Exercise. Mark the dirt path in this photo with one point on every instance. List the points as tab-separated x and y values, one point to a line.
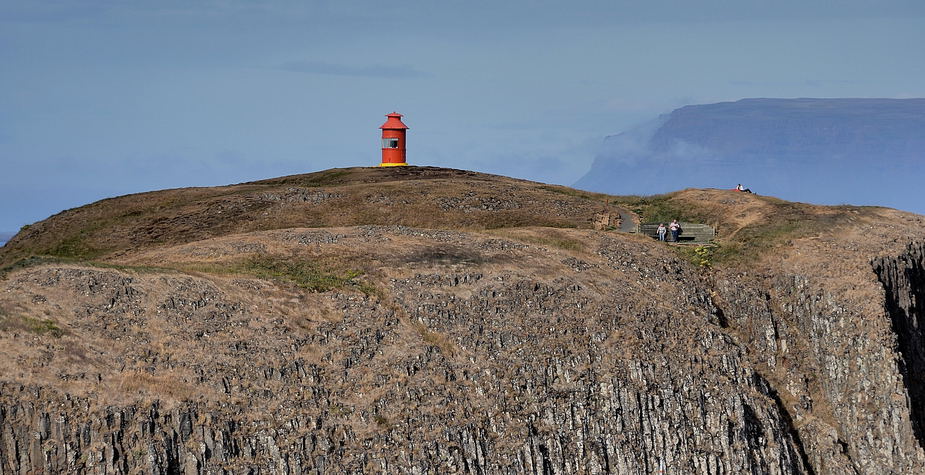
627	221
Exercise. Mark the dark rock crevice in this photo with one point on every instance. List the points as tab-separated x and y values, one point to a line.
787	420
903	279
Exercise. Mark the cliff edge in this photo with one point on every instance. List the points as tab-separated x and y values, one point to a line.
443	321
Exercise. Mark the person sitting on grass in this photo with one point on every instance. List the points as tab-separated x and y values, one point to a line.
739	187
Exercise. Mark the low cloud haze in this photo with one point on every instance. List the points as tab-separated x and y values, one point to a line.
826	151
99	98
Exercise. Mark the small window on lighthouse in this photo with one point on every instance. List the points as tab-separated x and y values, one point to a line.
389	143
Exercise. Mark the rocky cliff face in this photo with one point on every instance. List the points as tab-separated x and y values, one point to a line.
903	277
472	363
872	148
377	348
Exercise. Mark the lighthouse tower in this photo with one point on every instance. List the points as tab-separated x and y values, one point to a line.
393	141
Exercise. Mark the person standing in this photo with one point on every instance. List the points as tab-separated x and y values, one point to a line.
675	229
662	230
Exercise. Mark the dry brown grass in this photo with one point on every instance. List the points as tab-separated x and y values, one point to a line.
414	196
164	385
447	346
546	237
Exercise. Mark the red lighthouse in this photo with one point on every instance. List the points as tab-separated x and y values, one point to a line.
393	141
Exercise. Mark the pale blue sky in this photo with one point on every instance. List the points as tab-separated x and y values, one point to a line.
102	98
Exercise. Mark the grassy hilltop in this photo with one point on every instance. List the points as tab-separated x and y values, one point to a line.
425	197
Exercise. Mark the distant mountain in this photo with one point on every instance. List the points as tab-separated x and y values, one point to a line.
4	237
830	151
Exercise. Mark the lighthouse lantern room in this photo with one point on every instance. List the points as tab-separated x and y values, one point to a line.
393	141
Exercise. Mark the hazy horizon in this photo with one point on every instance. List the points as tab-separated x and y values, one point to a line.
103	98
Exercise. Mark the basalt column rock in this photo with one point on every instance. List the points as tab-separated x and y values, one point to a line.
850	376
903	279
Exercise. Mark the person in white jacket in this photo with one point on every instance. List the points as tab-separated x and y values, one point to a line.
675	229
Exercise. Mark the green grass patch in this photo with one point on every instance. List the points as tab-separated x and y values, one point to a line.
700	256
661	209
752	241
27	262
74	247
43	327
33	325
781	222
326	178
323	178
77	243
747	244
308	275
789	221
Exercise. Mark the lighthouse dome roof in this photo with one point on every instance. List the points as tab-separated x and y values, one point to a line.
393	122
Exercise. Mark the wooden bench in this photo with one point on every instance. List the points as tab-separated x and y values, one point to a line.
693	233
